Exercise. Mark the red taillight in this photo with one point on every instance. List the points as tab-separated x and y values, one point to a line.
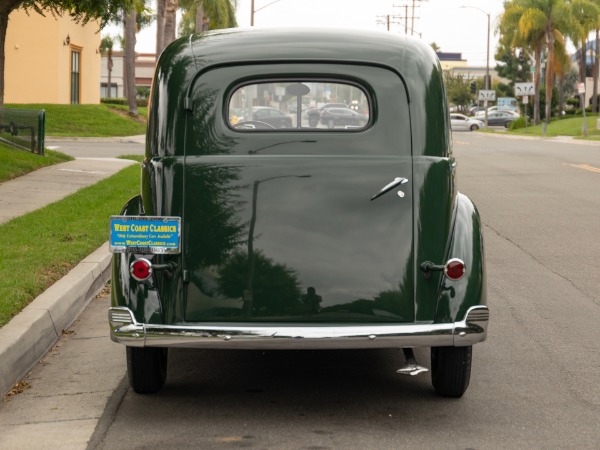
140	269
454	269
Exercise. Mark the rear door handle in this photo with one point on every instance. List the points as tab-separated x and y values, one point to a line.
388	187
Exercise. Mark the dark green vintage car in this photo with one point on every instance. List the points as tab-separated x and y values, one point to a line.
251	236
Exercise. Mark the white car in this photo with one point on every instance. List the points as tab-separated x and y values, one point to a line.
460	122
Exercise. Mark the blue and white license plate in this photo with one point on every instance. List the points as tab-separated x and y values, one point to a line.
153	235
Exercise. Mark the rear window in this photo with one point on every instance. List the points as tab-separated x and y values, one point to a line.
298	105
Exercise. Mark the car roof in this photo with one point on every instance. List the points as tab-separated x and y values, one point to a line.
413	59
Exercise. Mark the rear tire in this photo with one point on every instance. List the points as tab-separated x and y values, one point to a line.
147	368
451	370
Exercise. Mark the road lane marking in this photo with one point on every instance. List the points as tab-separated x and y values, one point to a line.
586	167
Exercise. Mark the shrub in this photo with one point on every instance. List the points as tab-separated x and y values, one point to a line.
123	101
519	123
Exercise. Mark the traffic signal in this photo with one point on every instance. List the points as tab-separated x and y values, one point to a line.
473	87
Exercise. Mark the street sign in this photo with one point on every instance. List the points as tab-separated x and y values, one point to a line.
524	89
581	88
487	95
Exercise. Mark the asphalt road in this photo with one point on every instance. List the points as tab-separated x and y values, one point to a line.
534	382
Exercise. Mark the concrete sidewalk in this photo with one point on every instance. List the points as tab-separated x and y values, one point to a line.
30	334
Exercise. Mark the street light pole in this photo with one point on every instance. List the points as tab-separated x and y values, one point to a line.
487	85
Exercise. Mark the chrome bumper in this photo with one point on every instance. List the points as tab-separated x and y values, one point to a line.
259	336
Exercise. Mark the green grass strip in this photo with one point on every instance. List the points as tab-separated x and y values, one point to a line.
89	120
39	248
563	127
17	162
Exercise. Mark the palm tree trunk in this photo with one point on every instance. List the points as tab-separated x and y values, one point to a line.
170	21
538	68
129	61
109	67
160	26
201	24
549	78
595	90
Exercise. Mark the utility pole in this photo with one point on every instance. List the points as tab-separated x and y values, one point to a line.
412	4
387	20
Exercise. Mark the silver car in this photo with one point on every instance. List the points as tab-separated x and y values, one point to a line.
460	122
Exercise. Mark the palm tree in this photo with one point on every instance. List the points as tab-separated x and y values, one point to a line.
596	59
509	30
134	19
539	26
203	15
585	14
160	26
129	60
170	32
106	47
548	17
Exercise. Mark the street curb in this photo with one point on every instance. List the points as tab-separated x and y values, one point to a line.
32	332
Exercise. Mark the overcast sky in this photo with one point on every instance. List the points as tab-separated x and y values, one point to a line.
452	28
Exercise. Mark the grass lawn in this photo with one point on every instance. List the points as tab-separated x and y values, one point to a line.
563	127
39	248
17	162
89	120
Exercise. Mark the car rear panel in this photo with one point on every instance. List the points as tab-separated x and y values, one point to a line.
298	239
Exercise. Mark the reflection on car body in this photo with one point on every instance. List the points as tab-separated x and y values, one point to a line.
333	117
302	237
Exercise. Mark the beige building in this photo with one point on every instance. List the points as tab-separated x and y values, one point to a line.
145	63
51	60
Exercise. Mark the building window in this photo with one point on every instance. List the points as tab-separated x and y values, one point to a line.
75	76
114	91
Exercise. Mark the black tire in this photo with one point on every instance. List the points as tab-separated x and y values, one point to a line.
507	124
313	121
451	370
474	127
147	369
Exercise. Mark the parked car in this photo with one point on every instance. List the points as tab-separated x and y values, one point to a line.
314	114
460	122
310	238
494	109
271	116
473	110
501	118
333	117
